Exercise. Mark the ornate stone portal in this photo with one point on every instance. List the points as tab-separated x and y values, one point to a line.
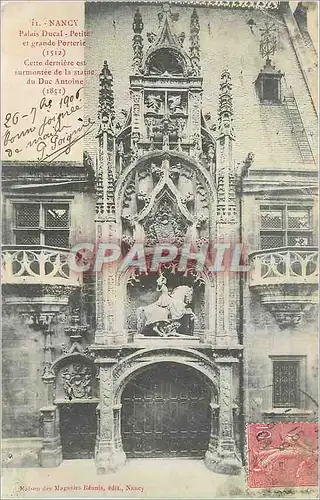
165	177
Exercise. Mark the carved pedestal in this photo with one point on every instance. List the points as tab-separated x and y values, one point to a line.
222	455
108	452
51	453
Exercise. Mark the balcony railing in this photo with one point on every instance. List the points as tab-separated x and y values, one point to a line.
287	265
37	265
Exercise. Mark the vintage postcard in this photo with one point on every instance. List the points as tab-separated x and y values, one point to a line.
159	249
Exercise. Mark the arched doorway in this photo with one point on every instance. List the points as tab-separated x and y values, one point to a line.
166	412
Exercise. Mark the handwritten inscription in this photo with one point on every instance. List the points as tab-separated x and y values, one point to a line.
50	127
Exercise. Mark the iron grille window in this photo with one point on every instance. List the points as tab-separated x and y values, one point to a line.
42	224
286	383
283	226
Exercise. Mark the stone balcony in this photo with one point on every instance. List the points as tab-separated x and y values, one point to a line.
286	280
34	265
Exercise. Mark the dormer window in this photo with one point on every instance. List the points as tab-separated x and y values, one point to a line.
268	83
270	89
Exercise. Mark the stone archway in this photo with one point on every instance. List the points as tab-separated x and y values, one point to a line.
116	375
166	412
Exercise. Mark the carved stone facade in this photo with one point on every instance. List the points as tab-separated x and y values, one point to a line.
166	172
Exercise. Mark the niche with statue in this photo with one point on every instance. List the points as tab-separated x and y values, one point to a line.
164	305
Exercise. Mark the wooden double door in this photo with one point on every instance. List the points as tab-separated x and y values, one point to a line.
166	413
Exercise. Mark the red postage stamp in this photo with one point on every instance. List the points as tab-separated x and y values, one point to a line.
282	454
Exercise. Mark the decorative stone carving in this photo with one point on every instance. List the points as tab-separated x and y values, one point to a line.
154	103
150	123
39	321
151	36
225	175
181	38
195	102
107	458
225	113
286	282
244	168
175	104
37	265
76	330
106	387
77	381
161	227
190	356
245	4
203	195
194	43
110	206
48	374
169	316
222	455
64	349
135	148
106	111
137	42
128	194
99	192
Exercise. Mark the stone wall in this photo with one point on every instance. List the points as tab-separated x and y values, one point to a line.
23	389
263	339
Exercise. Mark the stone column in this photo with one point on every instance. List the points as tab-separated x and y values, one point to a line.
107	307
226	459
106	456
227	219
51	453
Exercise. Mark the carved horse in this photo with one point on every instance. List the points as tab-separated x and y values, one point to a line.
167	314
